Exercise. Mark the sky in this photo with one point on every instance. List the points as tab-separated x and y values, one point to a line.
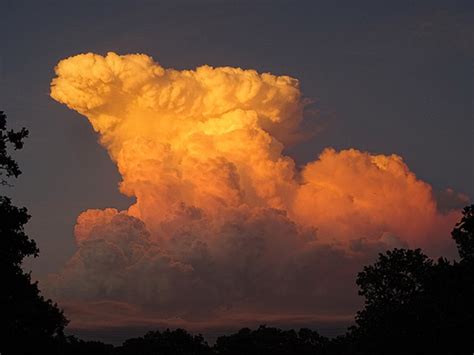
386	78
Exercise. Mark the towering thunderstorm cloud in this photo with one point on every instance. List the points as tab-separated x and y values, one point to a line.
225	226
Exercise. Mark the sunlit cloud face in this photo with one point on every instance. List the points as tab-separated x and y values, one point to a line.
224	223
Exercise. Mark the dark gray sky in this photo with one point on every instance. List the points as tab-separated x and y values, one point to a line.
385	76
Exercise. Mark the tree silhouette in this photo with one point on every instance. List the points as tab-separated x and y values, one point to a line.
414	305
457	285
463	234
74	346
8	166
394	279
28	322
176	342
271	341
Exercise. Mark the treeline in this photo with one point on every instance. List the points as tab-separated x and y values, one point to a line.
413	305
264	340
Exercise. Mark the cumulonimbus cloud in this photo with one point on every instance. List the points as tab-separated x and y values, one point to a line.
224	223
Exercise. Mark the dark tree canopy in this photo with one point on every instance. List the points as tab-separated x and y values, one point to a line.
463	234
15	244
414	305
8	166
395	278
176	342
272	341
73	346
29	323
